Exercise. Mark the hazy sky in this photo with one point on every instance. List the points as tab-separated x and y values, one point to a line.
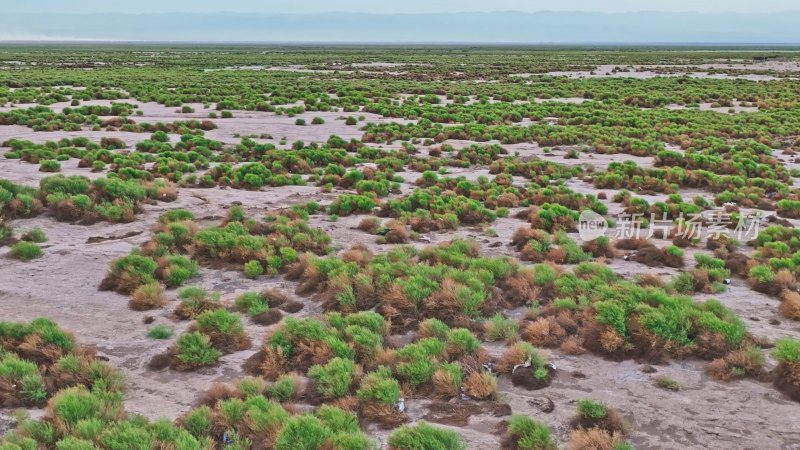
382	6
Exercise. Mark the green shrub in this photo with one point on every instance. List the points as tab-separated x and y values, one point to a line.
253	269
75	404
462	341
675	251
666	382
591	409
334	378
380	387
232	410
176	215
73	443
250	386
25	251
543	274
195	349
787	350
302	433
530	434
49	165
35	235
221	321
435	327
139	268
160	331
347	298
337	420
126	435
251	303
498	327
683	283
265	416
425	436
283	389
89	428
416	364
762	274
194	299
179	270
565	303
198	421
32	386
289	255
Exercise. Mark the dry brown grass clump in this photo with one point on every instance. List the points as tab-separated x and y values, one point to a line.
555	254
273	363
747	362
653	256
611	422
597	250
429	328
523	235
515	355
508	200
650	279
601	339
671	259
147	296
790	306
167	193
397	233
348	403
783	280
217	392
369	225
631	243
443	305
701	282
544	332
737	264
594	439
573	345
386	416
296	270
160	361
314	281
279	299
227	343
649	255
787	379
519	289
480	386
721	242
358	254
268	317
444	384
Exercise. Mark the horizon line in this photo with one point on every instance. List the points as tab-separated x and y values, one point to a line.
510	11
404	43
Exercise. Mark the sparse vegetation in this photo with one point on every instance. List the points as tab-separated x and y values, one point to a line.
160	331
396	304
25	251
